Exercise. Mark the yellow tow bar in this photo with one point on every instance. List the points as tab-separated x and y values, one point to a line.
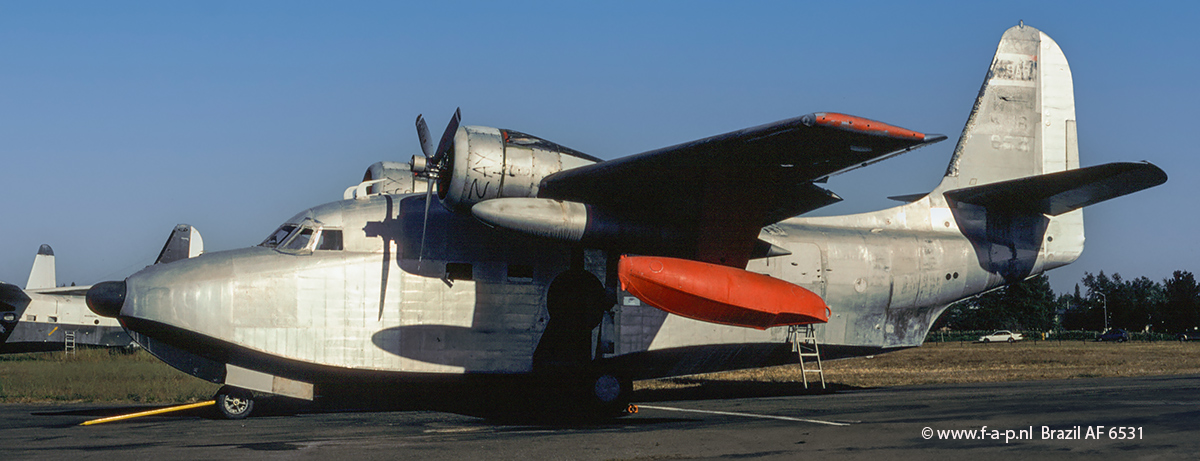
148	413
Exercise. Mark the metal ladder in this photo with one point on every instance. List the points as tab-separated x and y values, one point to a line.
806	346
69	341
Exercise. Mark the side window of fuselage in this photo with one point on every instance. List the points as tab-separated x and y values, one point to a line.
331	239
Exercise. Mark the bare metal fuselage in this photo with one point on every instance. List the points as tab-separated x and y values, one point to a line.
475	301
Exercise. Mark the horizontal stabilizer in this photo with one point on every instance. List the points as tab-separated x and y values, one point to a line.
908	198
1057	193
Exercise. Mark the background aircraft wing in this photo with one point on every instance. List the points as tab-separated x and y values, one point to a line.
718	192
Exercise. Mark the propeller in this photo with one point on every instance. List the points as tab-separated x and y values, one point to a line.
431	165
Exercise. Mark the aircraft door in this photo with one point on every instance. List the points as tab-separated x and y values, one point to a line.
576	302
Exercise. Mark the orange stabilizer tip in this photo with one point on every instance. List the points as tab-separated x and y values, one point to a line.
719	294
850	122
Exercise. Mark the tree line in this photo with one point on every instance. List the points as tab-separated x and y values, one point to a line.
1099	302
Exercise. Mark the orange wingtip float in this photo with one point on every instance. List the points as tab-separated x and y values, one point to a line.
719	294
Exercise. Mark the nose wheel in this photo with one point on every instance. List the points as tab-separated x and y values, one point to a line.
234	403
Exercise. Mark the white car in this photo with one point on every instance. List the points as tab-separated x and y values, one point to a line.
1002	335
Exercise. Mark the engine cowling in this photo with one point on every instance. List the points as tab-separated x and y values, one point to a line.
396	178
487	163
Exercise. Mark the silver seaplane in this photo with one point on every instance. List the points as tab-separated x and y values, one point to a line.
540	264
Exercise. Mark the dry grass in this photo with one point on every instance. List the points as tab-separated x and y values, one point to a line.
98	376
95	375
969	362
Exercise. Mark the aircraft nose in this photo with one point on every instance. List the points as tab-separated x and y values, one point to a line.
106	298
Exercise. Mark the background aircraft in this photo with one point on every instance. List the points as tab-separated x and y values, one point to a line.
43	317
518	271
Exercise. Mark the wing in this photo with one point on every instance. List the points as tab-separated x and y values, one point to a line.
713	195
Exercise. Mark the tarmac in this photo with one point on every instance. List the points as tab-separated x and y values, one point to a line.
1129	418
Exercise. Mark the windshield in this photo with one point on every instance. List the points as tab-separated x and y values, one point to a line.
300	241
278	236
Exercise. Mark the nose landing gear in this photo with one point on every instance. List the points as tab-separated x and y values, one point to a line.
234	403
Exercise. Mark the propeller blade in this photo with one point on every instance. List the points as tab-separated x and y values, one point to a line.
447	138
423	135
425	223
433	166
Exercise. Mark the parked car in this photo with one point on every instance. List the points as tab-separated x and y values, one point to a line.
1115	334
1190	335
1001	335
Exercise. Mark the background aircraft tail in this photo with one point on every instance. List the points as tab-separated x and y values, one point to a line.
185	242
42	275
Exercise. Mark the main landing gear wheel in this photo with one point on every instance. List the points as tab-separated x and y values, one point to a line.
234	403
610	394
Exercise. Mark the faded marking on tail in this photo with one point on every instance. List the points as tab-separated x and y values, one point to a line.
1023	121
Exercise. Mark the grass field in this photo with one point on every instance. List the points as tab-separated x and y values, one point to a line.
964	362
95	375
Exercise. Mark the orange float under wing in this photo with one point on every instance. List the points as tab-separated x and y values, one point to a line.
719	294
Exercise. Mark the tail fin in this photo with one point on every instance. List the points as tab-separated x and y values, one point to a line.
42	275
1023	122
1014	182
185	242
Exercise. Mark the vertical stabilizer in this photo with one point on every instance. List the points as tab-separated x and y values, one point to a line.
185	242
42	275
1022	125
1023	121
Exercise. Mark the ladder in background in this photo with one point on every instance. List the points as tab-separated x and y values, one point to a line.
806	346
69	341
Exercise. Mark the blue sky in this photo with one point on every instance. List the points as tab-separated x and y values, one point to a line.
119	120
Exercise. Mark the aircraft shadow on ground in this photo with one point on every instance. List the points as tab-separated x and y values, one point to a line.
710	389
497	404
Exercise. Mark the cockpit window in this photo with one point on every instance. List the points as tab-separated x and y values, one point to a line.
331	239
278	236
300	241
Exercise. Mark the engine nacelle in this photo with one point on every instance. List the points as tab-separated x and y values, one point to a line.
396	178
488	163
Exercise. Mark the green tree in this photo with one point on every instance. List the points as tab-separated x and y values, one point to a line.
1181	305
1131	305
1026	305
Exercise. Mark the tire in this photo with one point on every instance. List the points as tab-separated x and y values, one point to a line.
985	340
234	403
1010	340
609	394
